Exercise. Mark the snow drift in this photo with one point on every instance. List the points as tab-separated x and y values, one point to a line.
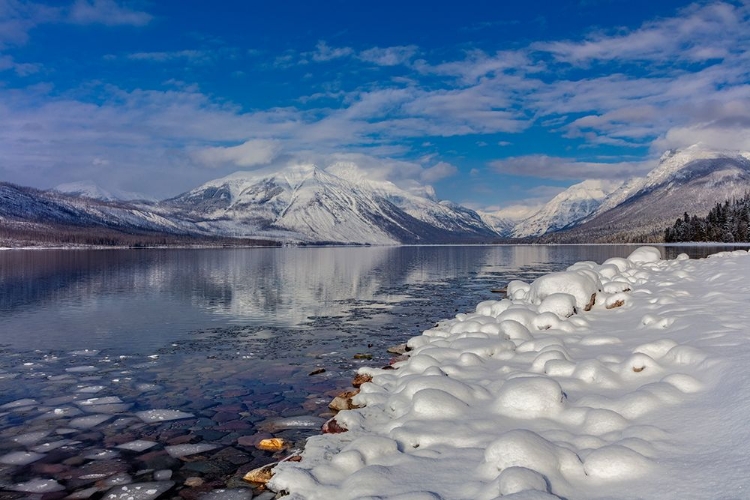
532	396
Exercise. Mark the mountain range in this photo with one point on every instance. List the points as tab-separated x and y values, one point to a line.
304	204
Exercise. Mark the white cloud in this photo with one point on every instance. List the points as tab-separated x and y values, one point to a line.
107	12
192	55
553	167
389	56
18	17
248	154
323	52
437	172
698	33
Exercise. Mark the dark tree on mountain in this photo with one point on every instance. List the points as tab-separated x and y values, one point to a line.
728	222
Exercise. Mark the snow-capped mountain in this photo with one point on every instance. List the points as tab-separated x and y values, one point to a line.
692	180
340	204
566	209
91	190
22	204
504	220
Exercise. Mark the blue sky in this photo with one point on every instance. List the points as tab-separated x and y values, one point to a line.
492	103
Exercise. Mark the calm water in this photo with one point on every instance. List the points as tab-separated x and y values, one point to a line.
228	337
134	301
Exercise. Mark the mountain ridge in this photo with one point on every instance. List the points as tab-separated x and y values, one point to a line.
342	203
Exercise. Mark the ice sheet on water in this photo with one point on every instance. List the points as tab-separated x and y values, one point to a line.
47	447
88	421
147	387
183	450
30	437
81	369
85	352
116	480
301	422
230	494
60	400
137	445
20	457
139	491
83	494
111	408
101	455
91	389
19	403
151	416
64	412
99	401
38	486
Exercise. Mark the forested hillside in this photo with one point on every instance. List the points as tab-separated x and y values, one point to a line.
726	222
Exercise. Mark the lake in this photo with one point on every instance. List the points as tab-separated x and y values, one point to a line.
221	341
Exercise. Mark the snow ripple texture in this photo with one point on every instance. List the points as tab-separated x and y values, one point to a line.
642	396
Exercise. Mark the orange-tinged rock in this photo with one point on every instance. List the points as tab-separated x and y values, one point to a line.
261	475
272	444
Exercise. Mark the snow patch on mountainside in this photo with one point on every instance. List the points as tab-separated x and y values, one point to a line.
91	190
672	165
567	208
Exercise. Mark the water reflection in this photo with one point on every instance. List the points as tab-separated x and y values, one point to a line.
144	299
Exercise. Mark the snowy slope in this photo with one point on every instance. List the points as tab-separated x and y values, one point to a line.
676	167
338	204
503	221
567	208
20	204
533	397
692	180
89	189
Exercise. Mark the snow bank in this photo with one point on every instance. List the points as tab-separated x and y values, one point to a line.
602	381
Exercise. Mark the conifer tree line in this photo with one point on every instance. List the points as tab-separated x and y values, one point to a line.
726	223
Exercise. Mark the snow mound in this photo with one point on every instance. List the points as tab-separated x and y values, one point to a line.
597	382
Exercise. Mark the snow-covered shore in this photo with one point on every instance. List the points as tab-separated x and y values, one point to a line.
645	395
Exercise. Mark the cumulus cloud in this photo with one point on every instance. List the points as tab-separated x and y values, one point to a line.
248	154
554	167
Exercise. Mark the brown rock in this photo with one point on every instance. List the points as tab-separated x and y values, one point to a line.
261	475
398	349
317	371
591	303
617	303
344	401
333	427
272	444
360	379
